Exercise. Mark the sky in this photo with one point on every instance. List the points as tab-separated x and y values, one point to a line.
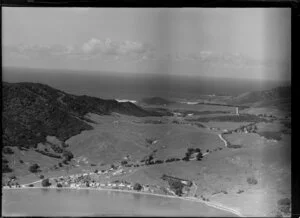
215	42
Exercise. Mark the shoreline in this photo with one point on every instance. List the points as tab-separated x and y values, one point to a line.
210	204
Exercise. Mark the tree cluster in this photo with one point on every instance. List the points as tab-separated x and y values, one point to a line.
46	183
35	168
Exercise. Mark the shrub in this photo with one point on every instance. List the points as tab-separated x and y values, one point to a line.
234	146
59	185
65	162
124	162
93	165
96	171
7	150
46	183
21	161
137	187
34	168
42	177
171	159
6	168
31	185
60	164
252	181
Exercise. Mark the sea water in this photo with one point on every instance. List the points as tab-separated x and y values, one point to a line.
68	202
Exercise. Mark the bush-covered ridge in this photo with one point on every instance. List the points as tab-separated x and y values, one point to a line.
31	111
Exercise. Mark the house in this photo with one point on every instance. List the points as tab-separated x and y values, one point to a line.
121	185
114	185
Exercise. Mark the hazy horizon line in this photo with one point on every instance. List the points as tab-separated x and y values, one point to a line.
129	73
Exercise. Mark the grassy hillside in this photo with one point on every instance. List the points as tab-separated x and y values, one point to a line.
272	97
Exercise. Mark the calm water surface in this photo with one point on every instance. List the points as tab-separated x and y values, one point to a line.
52	202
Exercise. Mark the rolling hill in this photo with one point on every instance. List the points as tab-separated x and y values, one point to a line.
277	97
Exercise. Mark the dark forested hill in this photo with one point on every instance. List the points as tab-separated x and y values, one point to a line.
31	111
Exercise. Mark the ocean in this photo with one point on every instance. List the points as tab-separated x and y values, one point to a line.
68	202
128	86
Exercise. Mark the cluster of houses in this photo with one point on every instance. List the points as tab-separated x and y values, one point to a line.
251	128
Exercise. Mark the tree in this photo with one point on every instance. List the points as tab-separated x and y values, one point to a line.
59	185
34	168
188	154
186	158
191	150
176	186
68	155
46	183
197	150
96	171
42	177
137	187
199	156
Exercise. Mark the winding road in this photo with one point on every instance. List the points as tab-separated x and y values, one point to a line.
221	137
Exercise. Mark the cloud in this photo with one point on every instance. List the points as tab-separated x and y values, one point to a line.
109	50
96	46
